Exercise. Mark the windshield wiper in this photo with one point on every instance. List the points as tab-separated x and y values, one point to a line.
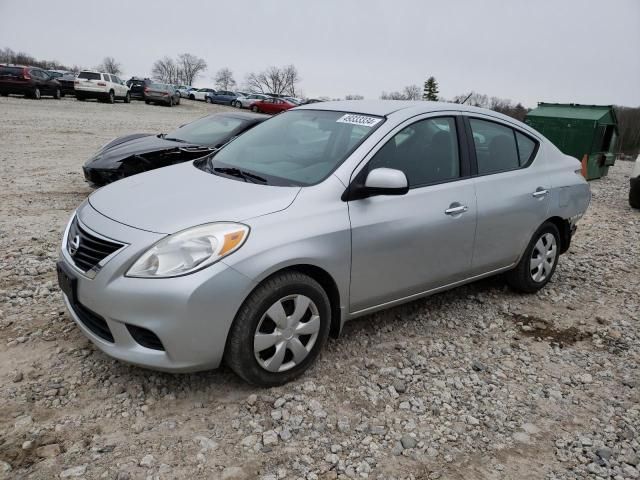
172	139
236	172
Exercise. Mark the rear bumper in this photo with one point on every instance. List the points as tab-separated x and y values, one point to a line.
16	89
90	93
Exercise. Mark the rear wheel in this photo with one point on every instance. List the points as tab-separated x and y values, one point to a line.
80	98
147	102
255	109
36	93
178	100
3	94
170	104
537	265
279	331
57	95
112	97
237	104
192	97
207	99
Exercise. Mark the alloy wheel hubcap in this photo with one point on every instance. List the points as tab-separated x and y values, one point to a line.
286	333
543	257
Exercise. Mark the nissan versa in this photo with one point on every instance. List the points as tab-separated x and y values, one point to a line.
255	254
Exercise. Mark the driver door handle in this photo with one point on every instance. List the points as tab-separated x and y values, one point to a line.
456	210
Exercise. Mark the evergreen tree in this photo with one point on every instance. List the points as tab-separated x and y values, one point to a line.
430	91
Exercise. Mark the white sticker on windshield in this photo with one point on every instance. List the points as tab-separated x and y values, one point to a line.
362	120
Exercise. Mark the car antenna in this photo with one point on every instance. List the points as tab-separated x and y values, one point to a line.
465	100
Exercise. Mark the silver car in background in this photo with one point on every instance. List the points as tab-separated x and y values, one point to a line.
245	101
256	254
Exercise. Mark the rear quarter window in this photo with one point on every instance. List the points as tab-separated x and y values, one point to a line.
90	76
10	71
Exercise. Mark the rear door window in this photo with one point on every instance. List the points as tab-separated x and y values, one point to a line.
495	146
89	76
526	147
10	71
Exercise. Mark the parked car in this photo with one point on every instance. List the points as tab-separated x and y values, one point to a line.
58	73
263	251
67	83
271	105
309	101
28	81
183	90
245	101
101	86
161	93
137	87
200	94
294	100
136	153
222	97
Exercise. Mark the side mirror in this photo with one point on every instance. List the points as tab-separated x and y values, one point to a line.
379	181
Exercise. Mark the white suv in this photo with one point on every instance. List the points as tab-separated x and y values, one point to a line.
101	86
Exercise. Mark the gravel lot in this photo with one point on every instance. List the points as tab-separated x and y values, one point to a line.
476	383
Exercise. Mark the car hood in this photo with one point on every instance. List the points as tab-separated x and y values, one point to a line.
171	199
136	144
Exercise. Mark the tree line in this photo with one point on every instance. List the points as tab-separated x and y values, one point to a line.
285	80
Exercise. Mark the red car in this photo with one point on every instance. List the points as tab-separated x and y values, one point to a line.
271	105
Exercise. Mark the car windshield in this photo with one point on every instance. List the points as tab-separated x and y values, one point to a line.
295	148
213	130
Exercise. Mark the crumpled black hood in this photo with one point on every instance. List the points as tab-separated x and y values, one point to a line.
122	148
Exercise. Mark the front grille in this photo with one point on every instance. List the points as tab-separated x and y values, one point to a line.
87	250
145	337
93	321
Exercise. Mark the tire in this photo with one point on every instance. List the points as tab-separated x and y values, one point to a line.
127	98
207	99
255	109
543	250
112	97
80	98
3	94
634	192
57	95
192	97
147	102
170	104
178	100
36	94
279	293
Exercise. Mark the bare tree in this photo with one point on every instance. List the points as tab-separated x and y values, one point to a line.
165	70
410	92
278	80
7	55
189	68
353	96
224	79
109	65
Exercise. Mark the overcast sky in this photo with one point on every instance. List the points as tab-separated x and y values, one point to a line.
583	51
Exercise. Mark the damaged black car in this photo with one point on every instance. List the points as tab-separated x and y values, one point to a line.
140	152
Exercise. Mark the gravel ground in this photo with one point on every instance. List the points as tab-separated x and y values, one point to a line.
476	383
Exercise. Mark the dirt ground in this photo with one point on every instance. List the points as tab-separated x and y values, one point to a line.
475	383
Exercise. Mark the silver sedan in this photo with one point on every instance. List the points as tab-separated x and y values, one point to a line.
245	101
257	254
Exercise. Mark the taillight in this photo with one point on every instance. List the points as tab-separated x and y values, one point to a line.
25	74
76	82
102	84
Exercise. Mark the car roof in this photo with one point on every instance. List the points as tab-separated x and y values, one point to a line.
406	108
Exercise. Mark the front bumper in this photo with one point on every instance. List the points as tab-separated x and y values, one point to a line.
190	315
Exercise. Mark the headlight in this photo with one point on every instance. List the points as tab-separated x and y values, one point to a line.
189	250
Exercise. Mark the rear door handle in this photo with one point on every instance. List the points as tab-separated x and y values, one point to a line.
456	210
540	192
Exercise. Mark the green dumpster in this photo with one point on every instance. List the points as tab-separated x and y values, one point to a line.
586	132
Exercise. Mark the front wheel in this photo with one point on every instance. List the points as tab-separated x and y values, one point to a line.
36	93
147	102
207	99
57	95
127	98
170	104
279	331
537	265
255	109
111	98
